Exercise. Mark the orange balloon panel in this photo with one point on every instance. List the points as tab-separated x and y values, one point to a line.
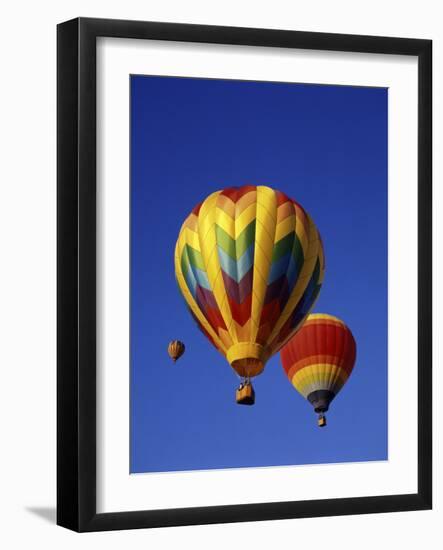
319	359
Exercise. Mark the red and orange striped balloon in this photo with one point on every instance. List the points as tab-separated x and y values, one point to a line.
319	359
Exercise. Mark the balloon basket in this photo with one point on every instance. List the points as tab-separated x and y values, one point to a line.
321	421
245	394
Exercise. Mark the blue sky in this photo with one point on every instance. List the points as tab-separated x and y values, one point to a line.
326	147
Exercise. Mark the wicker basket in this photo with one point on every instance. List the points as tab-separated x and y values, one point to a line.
322	421
245	395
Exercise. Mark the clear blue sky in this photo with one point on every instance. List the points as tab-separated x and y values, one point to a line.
325	146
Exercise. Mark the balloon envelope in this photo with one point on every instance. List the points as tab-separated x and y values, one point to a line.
176	349
319	359
249	263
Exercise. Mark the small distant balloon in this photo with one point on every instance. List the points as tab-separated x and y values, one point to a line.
176	349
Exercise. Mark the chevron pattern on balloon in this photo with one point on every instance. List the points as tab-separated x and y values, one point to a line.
249	263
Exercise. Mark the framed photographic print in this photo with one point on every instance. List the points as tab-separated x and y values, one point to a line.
244	274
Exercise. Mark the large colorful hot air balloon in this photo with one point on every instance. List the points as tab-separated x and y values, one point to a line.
319	359
249	263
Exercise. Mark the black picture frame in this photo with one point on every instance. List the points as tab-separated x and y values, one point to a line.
76	266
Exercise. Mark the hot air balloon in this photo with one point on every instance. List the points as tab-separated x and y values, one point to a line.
249	263
319	359
176	349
